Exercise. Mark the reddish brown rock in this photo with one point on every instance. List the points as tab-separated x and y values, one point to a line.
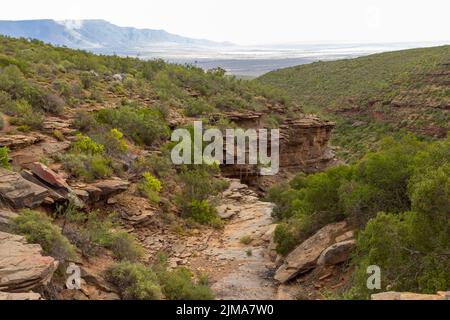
48	175
102	190
18	192
22	265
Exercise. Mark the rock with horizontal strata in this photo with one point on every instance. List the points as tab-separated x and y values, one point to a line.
22	265
105	189
18	141
304	257
18	192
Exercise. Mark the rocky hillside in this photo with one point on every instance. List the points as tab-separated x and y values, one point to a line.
86	178
374	96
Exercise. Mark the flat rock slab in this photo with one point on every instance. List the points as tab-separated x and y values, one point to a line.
18	192
22	265
18	141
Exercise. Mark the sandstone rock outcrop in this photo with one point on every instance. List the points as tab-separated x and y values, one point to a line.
22	265
58	189
303	144
18	141
392	295
305	256
18	192
102	190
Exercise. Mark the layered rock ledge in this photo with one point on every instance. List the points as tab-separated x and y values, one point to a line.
22	265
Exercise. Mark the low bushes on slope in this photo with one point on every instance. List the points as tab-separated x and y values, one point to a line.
399	198
38	228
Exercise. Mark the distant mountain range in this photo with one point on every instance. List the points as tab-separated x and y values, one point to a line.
98	35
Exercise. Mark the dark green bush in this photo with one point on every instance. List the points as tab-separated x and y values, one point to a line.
86	159
38	228
134	281
4	158
142	125
203	213
179	285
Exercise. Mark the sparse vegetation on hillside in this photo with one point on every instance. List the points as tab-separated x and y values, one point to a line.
38	228
138	282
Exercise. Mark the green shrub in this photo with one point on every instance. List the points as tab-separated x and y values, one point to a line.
134	281
4	158
125	247
203	213
84	144
87	79
150	187
58	135
63	88
179	285
198	107
84	121
6	103
38	228
246	240
86	166
86	159
142	125
23	114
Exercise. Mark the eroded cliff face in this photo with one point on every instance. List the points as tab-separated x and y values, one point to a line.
304	144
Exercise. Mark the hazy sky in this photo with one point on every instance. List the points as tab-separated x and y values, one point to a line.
258	21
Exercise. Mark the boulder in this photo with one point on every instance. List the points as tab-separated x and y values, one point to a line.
22	265
103	190
58	189
392	295
305	256
20	296
48	175
18	192
337	253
